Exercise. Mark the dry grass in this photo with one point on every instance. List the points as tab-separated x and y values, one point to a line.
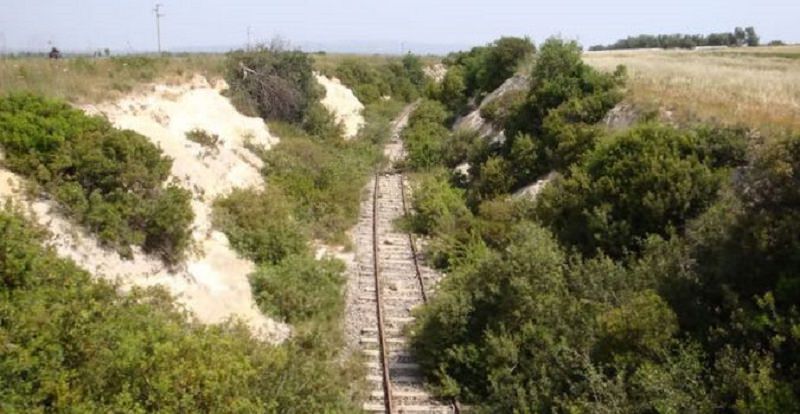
92	80
755	87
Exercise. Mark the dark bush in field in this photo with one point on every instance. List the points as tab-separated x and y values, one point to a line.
276	84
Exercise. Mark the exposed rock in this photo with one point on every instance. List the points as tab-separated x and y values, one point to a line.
621	116
343	104
532	191
436	72
474	120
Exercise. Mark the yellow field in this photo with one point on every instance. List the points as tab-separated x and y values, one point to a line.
755	87
85	80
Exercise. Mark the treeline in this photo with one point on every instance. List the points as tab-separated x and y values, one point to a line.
739	37
655	273
111	181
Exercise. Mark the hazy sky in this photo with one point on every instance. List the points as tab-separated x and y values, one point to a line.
128	25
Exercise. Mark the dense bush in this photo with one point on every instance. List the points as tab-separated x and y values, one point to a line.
437	206
745	251
484	68
739	37
300	288
425	135
401	79
260	224
549	127
73	344
322	178
563	89
274	83
649	180
110	180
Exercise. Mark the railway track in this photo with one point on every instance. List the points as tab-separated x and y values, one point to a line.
390	283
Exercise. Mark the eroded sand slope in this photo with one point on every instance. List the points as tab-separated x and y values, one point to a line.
344	105
213	281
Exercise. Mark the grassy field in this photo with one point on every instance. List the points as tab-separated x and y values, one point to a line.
756	87
91	80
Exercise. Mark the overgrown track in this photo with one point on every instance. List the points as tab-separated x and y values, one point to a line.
391	282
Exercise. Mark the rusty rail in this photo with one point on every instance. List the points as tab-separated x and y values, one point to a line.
387	384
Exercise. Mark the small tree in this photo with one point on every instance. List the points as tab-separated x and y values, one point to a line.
751	38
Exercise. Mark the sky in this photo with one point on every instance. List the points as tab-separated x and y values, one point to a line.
422	26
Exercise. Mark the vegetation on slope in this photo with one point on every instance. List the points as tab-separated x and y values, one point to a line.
110	180
655	275
73	343
131	352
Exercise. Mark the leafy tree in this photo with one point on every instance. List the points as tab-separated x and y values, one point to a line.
751	38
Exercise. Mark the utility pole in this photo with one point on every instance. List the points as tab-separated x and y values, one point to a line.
248	38
157	11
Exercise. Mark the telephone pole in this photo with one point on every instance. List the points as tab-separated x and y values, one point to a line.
248	38
159	15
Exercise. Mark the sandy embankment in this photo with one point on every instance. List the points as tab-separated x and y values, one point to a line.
213	281
344	105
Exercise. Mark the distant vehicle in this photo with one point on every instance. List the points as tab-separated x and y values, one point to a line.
54	53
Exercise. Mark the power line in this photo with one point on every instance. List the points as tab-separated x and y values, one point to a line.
159	15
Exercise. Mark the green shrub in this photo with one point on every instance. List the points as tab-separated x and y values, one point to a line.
485	68
452	91
203	138
401	79
323	179
260	224
648	180
110	180
499	110
560	80
73	343
425	135
300	288
437	206
321	123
